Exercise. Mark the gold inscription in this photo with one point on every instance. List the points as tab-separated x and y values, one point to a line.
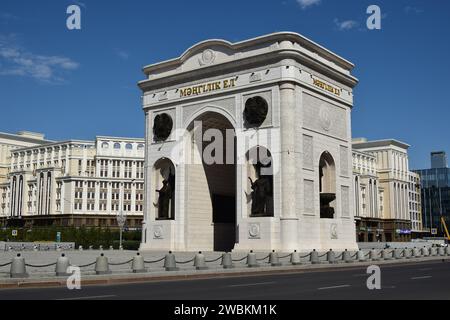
327	87
208	87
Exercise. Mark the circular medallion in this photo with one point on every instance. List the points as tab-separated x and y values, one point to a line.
254	231
325	119
158	232
208	57
255	112
162	127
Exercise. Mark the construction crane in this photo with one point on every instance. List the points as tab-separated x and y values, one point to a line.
444	225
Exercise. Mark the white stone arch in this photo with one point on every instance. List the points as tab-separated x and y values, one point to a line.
208	184
210	108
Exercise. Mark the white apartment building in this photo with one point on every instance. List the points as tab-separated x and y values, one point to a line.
9	142
415	203
382	191
81	183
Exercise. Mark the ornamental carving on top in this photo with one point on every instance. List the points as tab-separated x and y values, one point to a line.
208	56
334	232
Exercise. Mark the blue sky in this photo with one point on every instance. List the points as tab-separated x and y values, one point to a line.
78	84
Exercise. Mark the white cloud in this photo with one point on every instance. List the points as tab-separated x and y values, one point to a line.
308	3
346	25
7	18
122	54
15	61
409	9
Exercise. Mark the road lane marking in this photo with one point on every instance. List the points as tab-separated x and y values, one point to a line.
420	278
426	269
250	284
335	287
89	298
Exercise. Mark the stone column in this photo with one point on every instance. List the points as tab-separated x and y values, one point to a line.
288	216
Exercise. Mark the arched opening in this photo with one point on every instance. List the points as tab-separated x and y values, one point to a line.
260	182
327	185
164	181
211	183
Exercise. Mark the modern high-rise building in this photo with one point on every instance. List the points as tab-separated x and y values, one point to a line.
439	160
80	183
435	192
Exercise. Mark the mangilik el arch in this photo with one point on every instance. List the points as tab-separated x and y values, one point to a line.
284	105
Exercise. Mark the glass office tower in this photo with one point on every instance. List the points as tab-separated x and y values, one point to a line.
435	190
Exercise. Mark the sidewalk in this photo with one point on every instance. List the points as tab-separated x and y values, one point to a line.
188	273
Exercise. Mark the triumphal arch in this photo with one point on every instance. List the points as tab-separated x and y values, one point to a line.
249	148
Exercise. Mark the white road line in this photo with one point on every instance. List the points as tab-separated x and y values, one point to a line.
420	278
89	298
426	269
362	275
335	287
250	284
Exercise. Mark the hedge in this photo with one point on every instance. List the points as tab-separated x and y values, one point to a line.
81	236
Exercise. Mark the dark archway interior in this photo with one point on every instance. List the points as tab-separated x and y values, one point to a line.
221	179
327	186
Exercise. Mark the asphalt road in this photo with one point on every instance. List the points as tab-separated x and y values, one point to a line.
430	280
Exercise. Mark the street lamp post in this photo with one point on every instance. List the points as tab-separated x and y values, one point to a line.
121	219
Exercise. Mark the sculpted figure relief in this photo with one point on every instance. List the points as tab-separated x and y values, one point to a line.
166	194
262	190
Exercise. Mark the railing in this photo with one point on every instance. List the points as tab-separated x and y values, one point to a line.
102	264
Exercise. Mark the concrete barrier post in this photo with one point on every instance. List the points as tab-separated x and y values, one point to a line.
227	261
251	260
314	257
169	262
386	254
200	261
138	264
441	251
331	257
374	255
295	258
347	257
62	263
274	259
18	267
102	265
433	251
361	256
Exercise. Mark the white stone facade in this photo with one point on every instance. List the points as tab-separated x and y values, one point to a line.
75	179
415	202
383	188
307	131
